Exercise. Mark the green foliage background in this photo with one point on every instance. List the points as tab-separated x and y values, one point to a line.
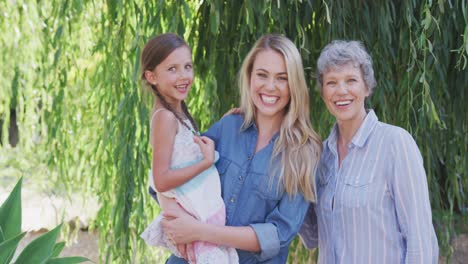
70	71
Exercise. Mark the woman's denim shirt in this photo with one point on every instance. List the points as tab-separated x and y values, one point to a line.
251	198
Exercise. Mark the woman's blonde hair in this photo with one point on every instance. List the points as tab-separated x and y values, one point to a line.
298	145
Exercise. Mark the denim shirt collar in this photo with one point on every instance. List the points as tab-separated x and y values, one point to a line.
252	127
361	136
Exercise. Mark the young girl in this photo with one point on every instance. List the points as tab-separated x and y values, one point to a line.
268	157
183	173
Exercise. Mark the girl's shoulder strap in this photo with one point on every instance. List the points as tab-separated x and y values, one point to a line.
154	114
159	110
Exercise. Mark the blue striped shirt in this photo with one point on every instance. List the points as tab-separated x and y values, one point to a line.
375	207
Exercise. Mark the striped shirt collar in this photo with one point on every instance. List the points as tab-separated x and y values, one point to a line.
361	136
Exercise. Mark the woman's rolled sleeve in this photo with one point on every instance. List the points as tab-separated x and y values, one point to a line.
267	235
281	226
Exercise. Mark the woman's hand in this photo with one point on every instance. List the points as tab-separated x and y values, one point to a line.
206	148
180	228
233	111
184	229
170	204
187	252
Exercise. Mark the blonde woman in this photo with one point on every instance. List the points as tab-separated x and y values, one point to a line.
267	160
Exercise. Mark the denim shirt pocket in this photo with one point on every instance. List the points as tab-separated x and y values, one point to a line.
222	165
358	187
267	188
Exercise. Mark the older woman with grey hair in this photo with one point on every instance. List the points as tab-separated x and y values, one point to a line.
372	194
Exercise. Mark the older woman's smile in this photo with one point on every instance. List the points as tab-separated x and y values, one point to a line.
343	102
344	92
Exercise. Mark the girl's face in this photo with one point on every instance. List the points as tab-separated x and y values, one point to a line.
269	87
343	92
173	77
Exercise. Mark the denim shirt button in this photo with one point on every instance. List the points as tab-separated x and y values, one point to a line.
240	178
232	200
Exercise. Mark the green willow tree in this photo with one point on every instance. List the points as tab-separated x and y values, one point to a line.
70	73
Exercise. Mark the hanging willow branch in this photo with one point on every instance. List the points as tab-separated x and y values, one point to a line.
70	74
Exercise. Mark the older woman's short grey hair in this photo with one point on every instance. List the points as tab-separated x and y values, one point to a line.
341	52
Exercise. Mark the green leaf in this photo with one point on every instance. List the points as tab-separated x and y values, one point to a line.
40	249
67	260
57	249
2	236
8	248
427	21
10	213
327	12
